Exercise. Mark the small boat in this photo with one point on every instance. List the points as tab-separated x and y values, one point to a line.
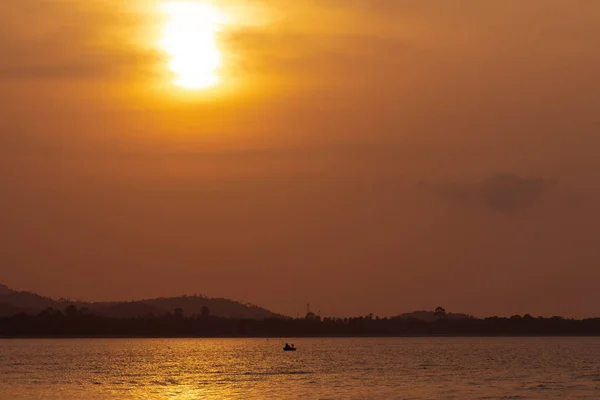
289	348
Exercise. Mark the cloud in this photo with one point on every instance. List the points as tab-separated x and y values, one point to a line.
508	192
68	39
505	192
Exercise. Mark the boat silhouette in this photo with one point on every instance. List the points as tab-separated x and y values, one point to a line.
289	348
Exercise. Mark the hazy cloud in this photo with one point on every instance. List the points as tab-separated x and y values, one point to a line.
503	192
508	192
70	39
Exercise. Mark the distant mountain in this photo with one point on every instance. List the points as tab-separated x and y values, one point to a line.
29	303
221	307
189	305
4	290
430	316
13	302
7	310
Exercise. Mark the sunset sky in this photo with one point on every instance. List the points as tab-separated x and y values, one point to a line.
366	156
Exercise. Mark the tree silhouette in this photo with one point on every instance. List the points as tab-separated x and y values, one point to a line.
440	312
79	323
71	311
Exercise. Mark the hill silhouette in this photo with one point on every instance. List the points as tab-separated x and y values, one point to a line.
4	289
14	302
430	316
24	314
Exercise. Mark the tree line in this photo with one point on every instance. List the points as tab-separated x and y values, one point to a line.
73	322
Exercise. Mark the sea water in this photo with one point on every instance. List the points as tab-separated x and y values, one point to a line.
354	368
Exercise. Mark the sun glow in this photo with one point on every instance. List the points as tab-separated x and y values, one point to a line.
190	39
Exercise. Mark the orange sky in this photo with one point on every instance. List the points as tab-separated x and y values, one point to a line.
366	156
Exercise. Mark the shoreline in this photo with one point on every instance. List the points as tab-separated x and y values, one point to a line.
67	337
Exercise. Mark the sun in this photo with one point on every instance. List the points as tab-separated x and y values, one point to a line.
190	40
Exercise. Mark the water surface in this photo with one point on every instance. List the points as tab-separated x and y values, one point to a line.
224	369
